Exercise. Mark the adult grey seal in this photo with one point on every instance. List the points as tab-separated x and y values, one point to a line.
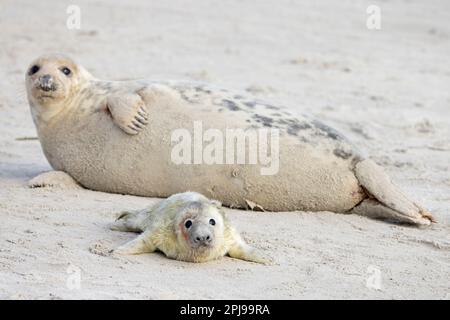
127	137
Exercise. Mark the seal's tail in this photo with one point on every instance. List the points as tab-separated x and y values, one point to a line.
385	199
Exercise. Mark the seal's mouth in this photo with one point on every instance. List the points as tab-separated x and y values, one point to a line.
45	96
46	89
202	246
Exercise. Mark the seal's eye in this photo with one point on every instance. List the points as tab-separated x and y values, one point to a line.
66	71
212	222
188	224
33	70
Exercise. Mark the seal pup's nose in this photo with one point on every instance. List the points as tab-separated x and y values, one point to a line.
203	239
46	83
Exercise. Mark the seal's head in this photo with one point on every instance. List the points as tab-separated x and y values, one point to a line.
200	226
52	81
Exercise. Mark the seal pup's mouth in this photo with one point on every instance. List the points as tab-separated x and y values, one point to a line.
203	246
45	96
202	251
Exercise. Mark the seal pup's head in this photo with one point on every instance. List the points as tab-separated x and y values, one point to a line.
52	81
200	227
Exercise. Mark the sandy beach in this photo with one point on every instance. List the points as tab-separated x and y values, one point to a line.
387	90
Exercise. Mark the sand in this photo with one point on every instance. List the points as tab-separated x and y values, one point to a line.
387	90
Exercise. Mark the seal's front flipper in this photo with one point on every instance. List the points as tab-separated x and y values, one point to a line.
141	244
241	250
128	111
386	200
54	179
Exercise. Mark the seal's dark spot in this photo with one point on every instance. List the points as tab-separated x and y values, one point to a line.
304	126
294	128
238	97
83	91
88	95
356	159
231	105
250	104
187	98
266	121
292	131
271	107
330	132
282	121
105	85
292	121
303	139
202	89
342	153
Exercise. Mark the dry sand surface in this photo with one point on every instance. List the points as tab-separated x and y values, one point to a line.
388	90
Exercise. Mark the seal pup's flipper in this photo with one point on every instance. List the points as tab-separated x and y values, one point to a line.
128	111
130	221
54	179
142	244
240	250
385	199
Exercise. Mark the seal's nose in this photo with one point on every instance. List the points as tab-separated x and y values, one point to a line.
46	83
204	239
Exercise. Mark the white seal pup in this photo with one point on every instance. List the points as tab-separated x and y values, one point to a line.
186	226
121	137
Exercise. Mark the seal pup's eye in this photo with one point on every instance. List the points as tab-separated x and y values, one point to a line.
188	224
66	71
33	70
212	222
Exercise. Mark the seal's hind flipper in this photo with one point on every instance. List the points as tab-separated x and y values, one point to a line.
54	179
128	111
239	249
386	200
141	244
128	221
